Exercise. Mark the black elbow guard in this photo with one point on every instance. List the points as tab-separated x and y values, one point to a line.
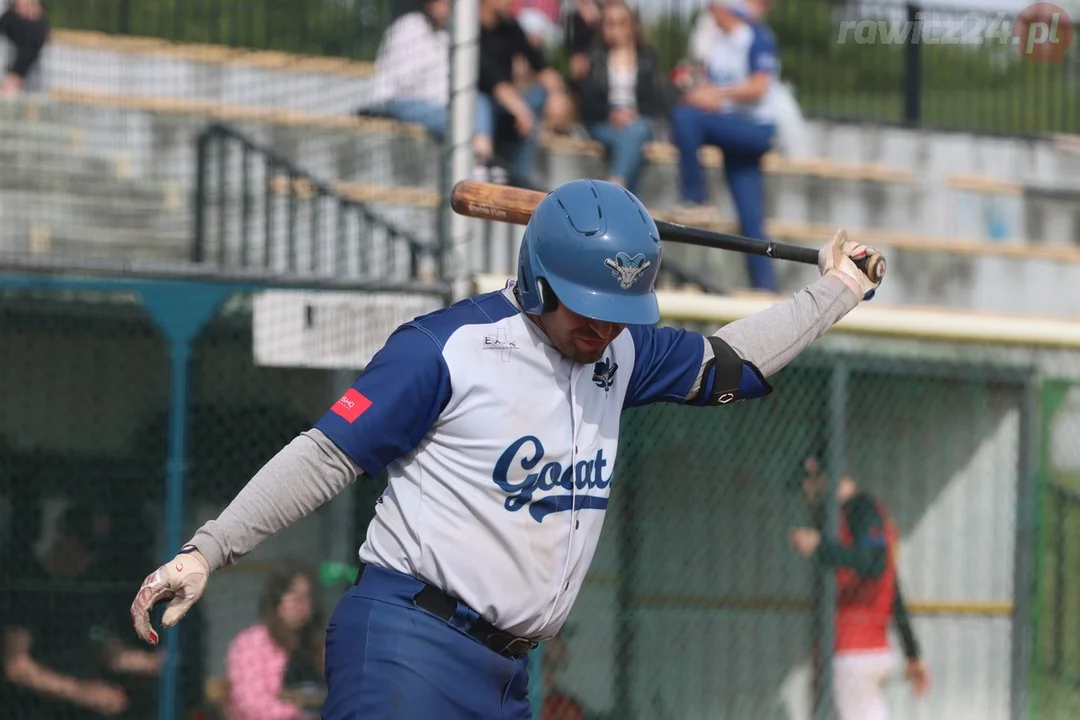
727	378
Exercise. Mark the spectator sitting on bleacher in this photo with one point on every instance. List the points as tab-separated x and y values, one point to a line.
621	93
59	652
582	29
412	84
500	105
286	643
727	108
26	28
791	129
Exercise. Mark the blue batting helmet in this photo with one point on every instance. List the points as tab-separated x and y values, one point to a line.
594	246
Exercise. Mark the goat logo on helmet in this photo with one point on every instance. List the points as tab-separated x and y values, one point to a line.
628	270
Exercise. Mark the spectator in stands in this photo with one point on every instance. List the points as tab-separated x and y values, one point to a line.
24	24
791	129
501	106
57	646
621	93
281	654
582	29
727	108
412	83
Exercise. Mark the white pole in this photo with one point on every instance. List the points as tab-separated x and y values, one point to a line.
464	72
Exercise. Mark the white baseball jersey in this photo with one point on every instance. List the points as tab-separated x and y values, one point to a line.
500	450
732	58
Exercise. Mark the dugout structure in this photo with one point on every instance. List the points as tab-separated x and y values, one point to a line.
963	424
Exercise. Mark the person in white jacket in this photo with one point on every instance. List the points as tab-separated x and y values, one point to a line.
411	82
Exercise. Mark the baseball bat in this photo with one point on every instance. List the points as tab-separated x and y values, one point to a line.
504	203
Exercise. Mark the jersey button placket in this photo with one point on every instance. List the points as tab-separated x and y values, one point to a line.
572	521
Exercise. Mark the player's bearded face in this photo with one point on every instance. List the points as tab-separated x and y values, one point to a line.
579	338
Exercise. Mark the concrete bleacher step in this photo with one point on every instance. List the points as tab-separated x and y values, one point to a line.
18	155
162	196
100	212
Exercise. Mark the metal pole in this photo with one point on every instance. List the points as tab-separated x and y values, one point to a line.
912	67
180	309
1024	550
835	459
461	122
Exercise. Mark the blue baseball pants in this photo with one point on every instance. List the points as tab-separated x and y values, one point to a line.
387	659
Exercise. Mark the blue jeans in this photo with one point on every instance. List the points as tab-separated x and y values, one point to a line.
489	113
625	146
744	142
422	112
386	659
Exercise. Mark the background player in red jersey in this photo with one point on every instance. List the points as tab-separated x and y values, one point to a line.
868	596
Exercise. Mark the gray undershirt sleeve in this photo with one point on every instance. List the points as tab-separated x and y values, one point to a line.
305	474
774	337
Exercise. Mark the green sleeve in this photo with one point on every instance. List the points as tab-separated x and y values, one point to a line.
903	625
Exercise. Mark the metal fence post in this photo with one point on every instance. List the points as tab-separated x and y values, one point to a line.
835	459
180	311
1024	586
461	122
913	67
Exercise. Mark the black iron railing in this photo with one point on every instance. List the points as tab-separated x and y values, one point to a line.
255	208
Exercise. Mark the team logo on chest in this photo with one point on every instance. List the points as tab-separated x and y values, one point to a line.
575	478
604	374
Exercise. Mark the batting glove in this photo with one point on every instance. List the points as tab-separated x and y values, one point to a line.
837	258
181	581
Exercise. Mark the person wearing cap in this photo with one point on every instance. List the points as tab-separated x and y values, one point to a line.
497	422
56	651
727	106
869	599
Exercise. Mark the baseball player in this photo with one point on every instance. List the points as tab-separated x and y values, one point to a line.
497	420
868	597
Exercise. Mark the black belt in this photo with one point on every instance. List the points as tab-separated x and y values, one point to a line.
444	606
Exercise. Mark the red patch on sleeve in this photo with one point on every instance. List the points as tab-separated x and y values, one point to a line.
351	405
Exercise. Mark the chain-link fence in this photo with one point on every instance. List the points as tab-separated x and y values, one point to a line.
134	410
698	606
101	150
1057	656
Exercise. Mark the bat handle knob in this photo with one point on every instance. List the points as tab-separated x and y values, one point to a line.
873	266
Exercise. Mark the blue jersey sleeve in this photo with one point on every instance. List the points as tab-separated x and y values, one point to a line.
763	55
666	364
393	403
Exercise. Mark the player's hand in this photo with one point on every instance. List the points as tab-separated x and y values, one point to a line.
181	581
102	697
805	541
918	675
837	258
622	117
579	65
